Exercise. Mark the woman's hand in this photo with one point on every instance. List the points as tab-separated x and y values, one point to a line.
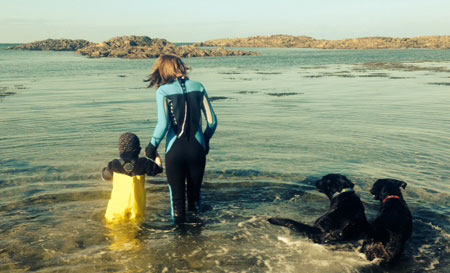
150	151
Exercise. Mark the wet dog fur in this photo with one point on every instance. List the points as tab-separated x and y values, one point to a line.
345	220
393	225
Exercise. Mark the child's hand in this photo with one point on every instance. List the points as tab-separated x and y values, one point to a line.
158	160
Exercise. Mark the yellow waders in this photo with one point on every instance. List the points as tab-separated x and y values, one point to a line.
127	200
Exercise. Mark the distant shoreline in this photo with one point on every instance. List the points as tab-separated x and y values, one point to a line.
289	41
142	47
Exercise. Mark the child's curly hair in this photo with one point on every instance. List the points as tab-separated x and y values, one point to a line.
129	142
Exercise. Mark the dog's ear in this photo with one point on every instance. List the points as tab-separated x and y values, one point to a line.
399	183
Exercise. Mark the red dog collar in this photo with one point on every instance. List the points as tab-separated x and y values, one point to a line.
391	197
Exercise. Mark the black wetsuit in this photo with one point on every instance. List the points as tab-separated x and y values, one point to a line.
180	105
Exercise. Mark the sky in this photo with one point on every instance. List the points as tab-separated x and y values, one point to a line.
200	20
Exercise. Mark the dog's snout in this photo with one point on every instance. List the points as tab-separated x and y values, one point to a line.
319	183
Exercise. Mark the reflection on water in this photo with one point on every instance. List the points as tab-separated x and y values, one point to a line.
124	236
286	118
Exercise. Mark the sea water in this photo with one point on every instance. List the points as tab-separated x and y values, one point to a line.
286	118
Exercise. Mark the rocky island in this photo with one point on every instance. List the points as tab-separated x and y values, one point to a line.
288	41
130	47
54	45
142	47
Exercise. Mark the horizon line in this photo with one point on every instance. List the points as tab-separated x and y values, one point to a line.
268	35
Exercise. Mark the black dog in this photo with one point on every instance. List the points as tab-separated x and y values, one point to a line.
345	219
393	224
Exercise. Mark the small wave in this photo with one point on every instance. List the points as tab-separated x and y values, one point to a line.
252	173
268	73
284	94
440	83
215	98
246	92
45	199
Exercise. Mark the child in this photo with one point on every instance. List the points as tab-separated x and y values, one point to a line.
127	200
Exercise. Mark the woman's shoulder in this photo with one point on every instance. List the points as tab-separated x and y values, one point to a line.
164	89
167	88
195	85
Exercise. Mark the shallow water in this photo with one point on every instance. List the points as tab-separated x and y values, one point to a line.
286	118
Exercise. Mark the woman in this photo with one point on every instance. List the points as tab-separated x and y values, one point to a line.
180	103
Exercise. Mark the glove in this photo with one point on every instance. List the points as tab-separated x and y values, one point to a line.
150	151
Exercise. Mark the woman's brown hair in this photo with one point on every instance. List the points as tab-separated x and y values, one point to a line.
166	70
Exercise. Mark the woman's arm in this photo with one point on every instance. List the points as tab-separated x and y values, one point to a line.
161	127
211	119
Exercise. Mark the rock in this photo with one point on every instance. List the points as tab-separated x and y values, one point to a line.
54	45
288	41
142	47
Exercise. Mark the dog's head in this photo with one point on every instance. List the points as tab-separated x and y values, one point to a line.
382	188
332	183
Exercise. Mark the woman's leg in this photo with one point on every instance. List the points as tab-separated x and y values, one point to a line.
195	161
176	176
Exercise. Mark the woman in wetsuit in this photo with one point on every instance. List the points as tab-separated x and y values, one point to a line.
180	102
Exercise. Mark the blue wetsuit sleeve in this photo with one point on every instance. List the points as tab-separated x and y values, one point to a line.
161	127
211	118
